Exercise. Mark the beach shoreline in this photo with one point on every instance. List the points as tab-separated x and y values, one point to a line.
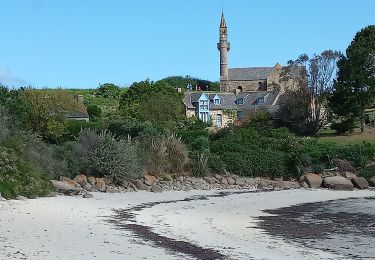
76	228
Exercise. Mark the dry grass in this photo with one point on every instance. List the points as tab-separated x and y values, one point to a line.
357	137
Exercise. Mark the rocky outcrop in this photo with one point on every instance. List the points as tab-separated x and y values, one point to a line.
166	182
210	180
141	186
91	180
87	195
65	187
149	180
372	181
100	184
338	183
81	180
285	185
349	175
111	189
360	182
313	180
155	188
344	165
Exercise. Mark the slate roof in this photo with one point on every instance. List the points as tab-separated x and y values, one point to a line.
260	73
250	101
253	73
78	114
228	100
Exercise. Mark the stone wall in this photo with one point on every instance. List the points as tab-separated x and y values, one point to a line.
226	119
247	85
190	112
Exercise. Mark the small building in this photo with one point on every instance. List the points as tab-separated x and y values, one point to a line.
223	108
81	113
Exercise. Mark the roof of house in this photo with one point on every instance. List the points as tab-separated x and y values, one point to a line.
251	99
78	114
253	73
228	100
261	73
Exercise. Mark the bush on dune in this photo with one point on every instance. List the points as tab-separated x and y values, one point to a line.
102	154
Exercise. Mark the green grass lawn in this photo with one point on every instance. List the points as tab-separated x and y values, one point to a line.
354	138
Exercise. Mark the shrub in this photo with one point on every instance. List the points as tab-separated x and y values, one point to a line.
102	154
4	124
153	152
368	172
215	164
200	165
246	152
19	177
359	154
261	121
130	127
94	111
74	127
177	153
162	153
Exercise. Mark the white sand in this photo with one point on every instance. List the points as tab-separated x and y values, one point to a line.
75	228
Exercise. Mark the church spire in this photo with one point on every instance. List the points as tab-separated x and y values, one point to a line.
223	24
223	46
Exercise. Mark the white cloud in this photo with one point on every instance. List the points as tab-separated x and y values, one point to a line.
8	79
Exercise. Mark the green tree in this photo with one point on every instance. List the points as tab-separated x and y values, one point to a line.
109	90
94	111
47	110
303	109
182	82
354	89
156	102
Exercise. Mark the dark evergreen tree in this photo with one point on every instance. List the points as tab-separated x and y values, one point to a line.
354	89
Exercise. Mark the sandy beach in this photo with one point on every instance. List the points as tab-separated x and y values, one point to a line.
76	228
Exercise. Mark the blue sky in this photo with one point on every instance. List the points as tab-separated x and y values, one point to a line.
81	43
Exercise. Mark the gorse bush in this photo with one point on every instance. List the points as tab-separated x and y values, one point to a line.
102	154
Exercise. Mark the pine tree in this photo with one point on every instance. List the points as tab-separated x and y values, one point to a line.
354	89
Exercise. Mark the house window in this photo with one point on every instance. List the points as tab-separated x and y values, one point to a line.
240	114
260	101
240	88
203	105
204	116
217	101
219	120
240	101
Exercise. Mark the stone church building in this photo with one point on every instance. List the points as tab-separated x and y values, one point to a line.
242	90
245	79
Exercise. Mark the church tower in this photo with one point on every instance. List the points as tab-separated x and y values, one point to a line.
223	46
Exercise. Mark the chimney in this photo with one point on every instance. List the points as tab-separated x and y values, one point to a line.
79	98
